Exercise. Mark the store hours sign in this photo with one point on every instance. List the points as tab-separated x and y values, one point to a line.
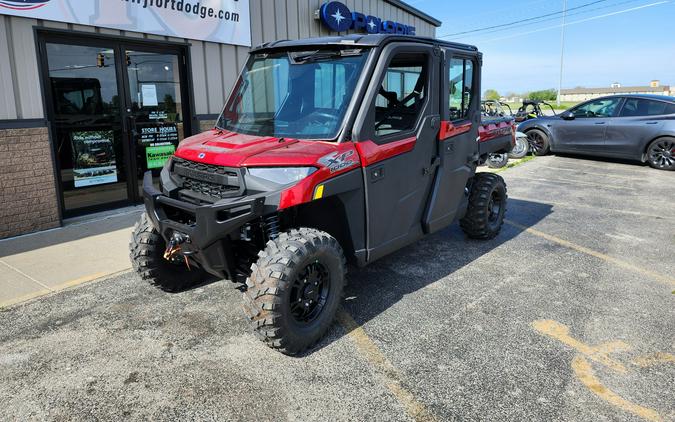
222	21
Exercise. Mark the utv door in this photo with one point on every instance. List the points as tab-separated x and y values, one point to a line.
395	134
457	139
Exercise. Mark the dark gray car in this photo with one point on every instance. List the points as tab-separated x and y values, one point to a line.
635	127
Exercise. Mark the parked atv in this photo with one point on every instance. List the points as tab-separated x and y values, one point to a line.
317	160
493	109
531	109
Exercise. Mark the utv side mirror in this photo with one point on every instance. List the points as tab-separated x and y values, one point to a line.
568	115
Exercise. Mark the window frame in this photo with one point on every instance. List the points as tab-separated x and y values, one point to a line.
364	128
654	100
467	114
620	100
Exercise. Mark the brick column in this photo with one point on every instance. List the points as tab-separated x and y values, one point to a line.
28	200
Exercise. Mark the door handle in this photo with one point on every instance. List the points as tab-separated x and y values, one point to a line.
599	123
376	174
652	123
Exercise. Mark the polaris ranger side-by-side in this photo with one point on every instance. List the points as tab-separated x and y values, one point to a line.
328	150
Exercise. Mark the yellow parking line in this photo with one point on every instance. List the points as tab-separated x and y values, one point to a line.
65	285
584	371
653	359
384	368
618	262
599	354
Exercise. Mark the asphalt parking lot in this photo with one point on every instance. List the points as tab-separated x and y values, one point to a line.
567	315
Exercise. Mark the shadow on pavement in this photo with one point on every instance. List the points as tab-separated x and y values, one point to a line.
375	288
590	158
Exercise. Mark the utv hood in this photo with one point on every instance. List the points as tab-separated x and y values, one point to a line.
223	148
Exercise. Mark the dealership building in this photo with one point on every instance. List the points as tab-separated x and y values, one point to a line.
97	92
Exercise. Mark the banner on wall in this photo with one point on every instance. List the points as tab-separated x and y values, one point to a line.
221	21
93	157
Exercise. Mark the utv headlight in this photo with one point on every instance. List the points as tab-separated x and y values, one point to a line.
281	175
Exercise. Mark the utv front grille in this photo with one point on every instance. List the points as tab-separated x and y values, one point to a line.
206	182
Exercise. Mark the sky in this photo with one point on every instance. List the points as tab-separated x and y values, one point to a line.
604	41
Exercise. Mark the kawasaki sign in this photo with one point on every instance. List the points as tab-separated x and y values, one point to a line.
222	21
339	18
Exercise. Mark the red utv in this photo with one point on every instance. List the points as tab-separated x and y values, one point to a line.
329	150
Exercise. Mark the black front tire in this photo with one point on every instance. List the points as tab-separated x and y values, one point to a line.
487	206
540	144
661	154
147	258
278	300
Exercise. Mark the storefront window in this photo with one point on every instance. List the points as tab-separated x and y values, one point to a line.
88	131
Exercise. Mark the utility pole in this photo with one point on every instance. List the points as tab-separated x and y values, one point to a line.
562	50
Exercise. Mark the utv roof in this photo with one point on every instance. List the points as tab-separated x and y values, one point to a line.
357	40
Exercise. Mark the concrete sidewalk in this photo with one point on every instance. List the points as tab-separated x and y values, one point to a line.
84	249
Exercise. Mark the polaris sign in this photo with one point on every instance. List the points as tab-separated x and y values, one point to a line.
339	18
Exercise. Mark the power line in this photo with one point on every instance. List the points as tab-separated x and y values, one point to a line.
522	20
553	18
575	22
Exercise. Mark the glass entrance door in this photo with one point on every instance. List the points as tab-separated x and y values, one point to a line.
117	109
156	108
87	126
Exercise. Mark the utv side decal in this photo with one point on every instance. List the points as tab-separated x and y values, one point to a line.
336	161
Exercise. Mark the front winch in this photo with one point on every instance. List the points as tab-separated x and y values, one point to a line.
174	249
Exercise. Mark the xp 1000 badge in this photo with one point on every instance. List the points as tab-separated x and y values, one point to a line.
337	161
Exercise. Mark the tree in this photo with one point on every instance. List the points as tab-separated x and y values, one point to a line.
491	94
544	95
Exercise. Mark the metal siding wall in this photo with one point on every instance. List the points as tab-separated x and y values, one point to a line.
7	99
201	105
215	67
26	79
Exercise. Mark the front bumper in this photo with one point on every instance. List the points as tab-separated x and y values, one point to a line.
210	227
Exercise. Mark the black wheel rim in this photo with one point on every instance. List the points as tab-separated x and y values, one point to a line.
536	140
662	154
495	206
309	293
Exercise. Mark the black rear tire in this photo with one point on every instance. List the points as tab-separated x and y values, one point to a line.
661	153
295	289
147	258
540	144
487	206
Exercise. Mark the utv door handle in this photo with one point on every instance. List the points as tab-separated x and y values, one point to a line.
377	174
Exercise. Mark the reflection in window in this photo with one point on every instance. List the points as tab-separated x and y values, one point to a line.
154	81
83	82
598	108
641	107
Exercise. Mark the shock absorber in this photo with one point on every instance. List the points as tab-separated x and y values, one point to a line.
271	225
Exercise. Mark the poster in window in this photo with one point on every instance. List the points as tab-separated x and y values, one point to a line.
93	158
156	156
149	94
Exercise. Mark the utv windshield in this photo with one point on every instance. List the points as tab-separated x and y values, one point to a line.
300	94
